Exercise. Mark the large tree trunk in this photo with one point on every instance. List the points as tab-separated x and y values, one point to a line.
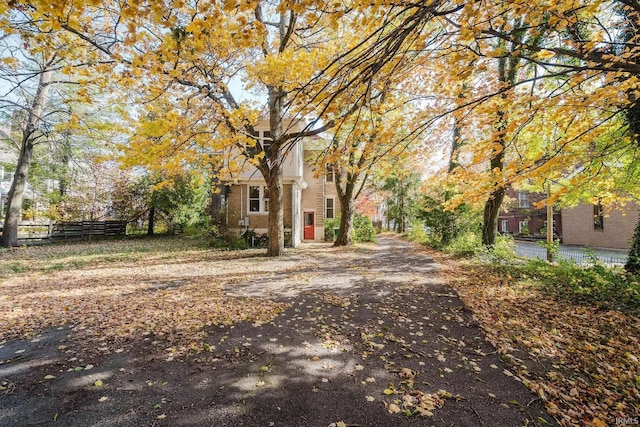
275	246
29	129
490	218
345	233
16	196
272	169
347	211
506	74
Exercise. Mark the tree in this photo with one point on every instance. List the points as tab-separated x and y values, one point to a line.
400	184
186	65
30	131
299	54
36	71
361	145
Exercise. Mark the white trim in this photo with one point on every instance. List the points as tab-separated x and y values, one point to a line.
502	226
262	202
523	200
521	225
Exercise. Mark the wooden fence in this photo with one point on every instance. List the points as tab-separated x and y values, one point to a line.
74	230
86	230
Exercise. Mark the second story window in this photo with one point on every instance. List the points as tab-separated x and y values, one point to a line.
262	138
523	200
329	174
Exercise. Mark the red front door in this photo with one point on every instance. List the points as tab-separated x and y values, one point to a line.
309	228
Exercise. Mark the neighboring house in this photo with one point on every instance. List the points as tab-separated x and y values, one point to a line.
521	217
598	226
307	200
372	206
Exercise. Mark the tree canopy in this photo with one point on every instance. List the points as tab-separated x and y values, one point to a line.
537	91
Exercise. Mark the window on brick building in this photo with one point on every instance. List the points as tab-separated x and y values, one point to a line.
598	217
523	227
523	200
258	199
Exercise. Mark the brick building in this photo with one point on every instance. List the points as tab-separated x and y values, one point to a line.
521	217
598	226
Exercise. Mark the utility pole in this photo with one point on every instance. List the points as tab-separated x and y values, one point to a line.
549	223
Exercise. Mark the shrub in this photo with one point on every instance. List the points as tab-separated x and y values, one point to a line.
363	229
465	244
417	233
595	284
502	252
329	225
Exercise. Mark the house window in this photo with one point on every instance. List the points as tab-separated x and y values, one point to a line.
264	138
330	210
254	198
598	217
523	200
504	227
523	227
258	199
329	175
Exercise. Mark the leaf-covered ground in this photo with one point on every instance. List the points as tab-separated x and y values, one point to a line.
115	291
157	332
581	360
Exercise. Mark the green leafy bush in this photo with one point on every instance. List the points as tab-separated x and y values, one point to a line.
465	244
329	225
363	229
502	252
417	233
595	284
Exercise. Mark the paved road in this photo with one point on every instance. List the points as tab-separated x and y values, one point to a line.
609	257
369	332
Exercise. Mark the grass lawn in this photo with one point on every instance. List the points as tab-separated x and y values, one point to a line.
115	290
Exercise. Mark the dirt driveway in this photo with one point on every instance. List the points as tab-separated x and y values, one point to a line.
368	337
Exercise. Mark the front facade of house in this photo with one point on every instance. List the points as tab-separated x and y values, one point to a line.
307	200
598	226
